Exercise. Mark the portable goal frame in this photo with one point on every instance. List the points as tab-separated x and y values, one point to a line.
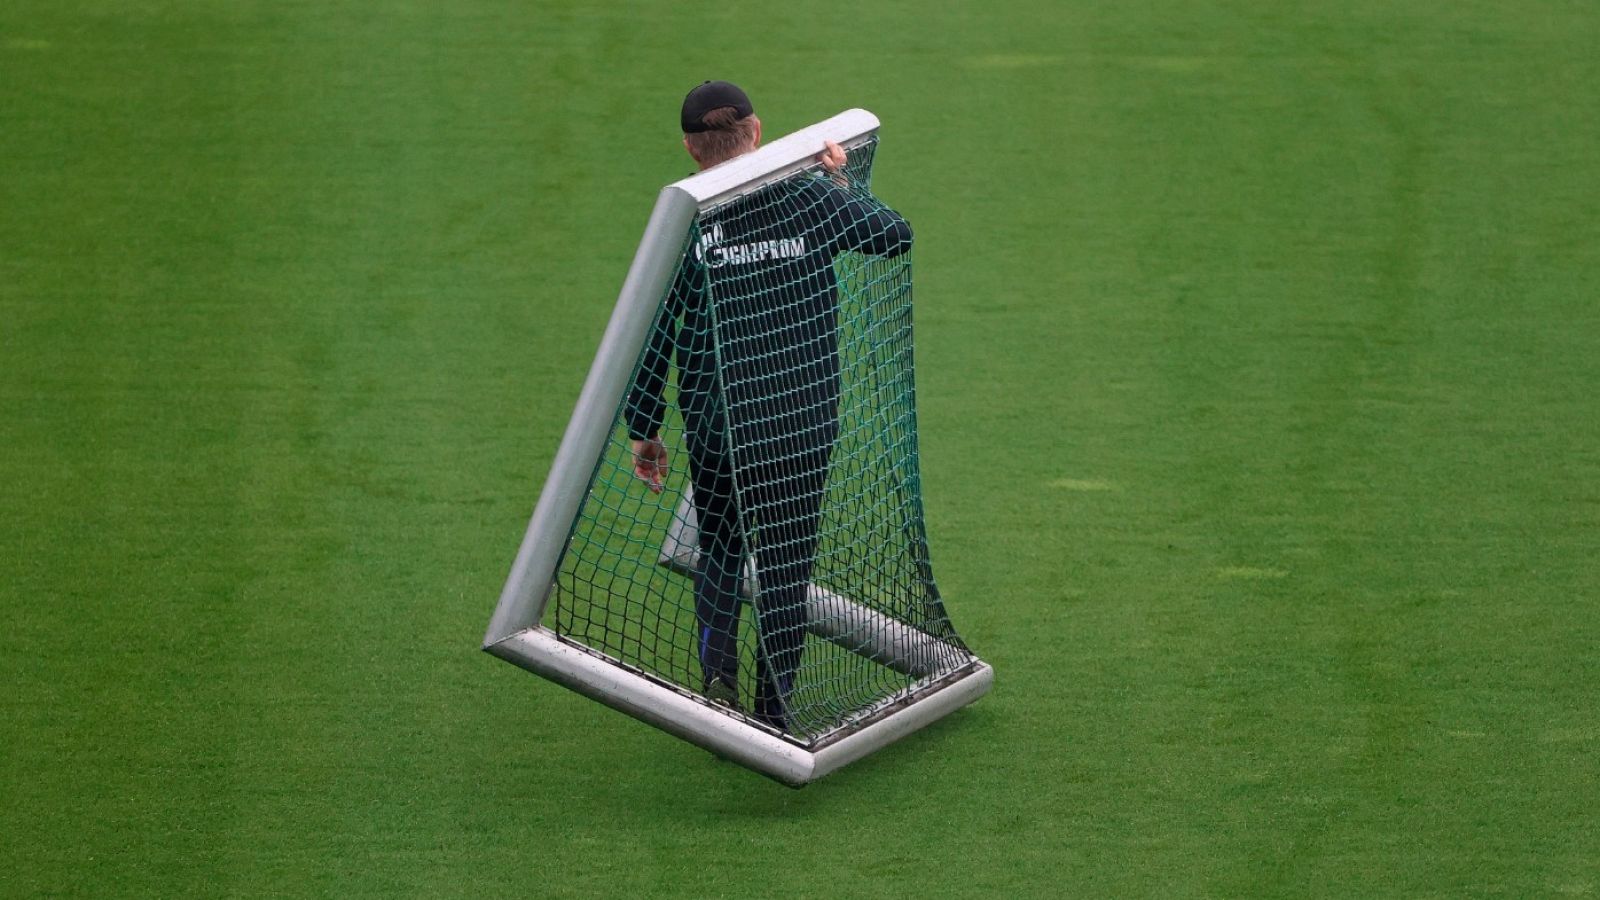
515	633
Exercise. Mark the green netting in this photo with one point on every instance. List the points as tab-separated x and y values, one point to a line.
786	549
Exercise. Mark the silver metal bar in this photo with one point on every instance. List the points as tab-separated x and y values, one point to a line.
830	616
786	155
880	638
522	600
539	651
924	711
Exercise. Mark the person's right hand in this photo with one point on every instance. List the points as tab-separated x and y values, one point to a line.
650	462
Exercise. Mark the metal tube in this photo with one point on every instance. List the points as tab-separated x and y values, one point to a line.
892	728
522	600
539	651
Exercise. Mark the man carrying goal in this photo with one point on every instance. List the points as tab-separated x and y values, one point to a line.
757	295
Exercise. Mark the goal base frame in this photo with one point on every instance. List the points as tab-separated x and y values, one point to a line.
693	719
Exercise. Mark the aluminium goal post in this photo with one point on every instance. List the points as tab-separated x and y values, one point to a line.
778	299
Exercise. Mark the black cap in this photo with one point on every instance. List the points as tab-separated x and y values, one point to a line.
709	96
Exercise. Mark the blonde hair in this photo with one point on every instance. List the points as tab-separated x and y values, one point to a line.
729	136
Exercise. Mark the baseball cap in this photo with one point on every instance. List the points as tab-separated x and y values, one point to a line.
712	95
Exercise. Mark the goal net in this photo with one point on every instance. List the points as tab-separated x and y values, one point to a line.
743	559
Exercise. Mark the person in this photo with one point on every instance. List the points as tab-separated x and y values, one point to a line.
756	291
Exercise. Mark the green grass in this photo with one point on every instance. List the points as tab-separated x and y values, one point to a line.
1259	354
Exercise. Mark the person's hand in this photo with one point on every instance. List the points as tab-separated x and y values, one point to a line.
833	159
650	462
832	156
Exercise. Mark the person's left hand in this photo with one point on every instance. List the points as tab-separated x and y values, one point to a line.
832	157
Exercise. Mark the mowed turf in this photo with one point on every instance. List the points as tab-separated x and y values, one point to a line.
1259	359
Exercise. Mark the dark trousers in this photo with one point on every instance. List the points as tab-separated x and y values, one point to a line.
779	508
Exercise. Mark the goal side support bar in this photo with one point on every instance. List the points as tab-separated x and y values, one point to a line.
523	598
540	651
830	616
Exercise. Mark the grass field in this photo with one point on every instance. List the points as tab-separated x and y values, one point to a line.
1259	352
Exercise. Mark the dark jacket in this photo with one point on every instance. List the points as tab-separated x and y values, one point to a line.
756	290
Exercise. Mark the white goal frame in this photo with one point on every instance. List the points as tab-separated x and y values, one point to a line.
515	633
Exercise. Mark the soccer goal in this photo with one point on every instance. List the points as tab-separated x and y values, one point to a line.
773	601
